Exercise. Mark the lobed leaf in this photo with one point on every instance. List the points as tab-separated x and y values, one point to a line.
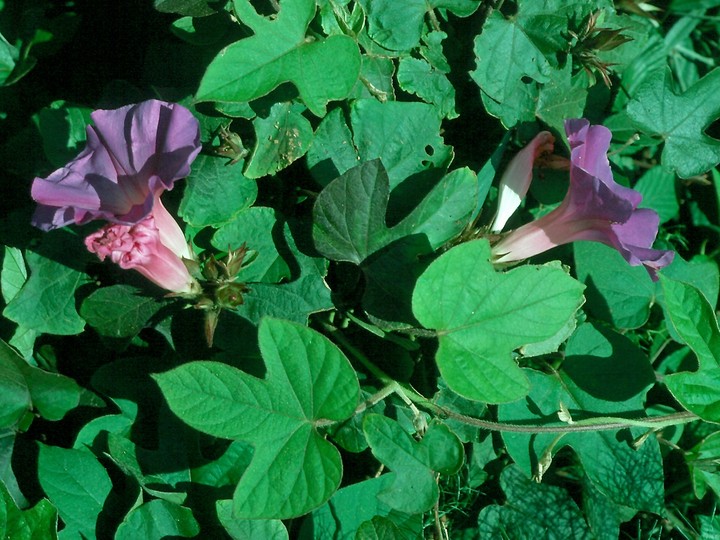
277	415
481	316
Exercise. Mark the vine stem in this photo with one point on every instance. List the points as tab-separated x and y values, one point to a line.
413	399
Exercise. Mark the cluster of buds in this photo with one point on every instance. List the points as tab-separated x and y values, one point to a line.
220	287
592	39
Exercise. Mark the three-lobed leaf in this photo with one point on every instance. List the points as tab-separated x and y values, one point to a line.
680	120
308	379
278	52
481	316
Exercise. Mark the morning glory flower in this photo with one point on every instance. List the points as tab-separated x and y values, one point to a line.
155	247
595	208
132	154
516	179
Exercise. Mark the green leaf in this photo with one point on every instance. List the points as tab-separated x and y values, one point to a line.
14	273
532	510
414	464
432	86
562	97
278	415
353	236
658	190
243	529
404	135
398	25
278	52
158	519
352	506
215	192
680	120
280	139
8	58
694	319
76	484
118	311
616	292
26	388
505	55
46	303
378	528
306	292
332	151
481	316
702	460
36	523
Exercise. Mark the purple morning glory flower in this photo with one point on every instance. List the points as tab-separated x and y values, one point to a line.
132	154
595	208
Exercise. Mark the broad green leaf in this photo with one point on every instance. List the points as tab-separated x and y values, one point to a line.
36	523
244	529
278	52
158	519
77	485
432	86
481	316
254	227
616	292
46	302
414	464
353	236
352	506
118	311
694	319
308	379
698	392
215	192
14	273
680	120
404	135
15	398
505	56
280	139
532	510
658	190
398	25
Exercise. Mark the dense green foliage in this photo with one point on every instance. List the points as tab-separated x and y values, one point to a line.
382	378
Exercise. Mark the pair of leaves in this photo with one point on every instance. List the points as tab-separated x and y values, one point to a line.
294	469
278	52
